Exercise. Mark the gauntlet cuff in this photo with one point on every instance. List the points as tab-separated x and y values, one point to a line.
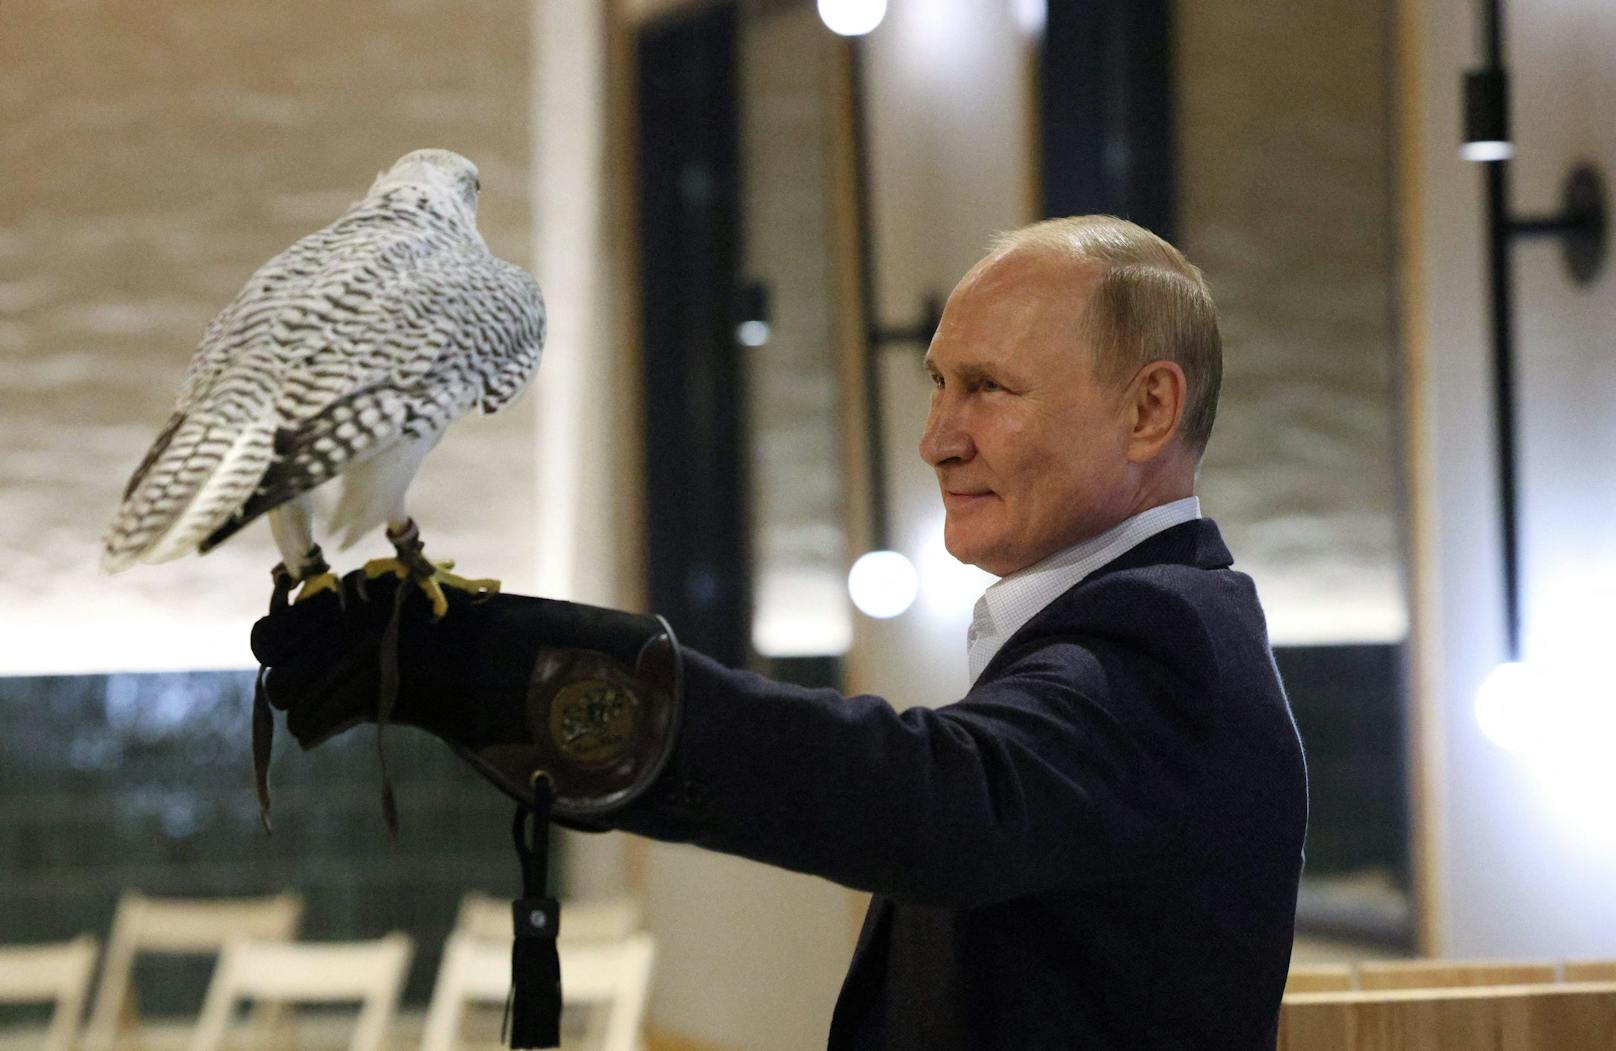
600	729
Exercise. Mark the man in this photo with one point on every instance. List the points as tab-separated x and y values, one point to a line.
1099	845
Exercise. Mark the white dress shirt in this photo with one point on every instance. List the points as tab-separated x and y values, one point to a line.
1014	600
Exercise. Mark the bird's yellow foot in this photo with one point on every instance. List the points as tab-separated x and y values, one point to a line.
429	575
312	586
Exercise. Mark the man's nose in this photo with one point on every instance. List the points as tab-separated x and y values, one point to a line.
944	438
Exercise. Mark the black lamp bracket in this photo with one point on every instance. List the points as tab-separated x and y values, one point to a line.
919	333
1582	224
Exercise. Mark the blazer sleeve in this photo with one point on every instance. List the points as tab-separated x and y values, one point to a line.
1029	783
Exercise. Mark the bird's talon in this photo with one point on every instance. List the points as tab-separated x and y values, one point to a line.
312	586
381	567
434	593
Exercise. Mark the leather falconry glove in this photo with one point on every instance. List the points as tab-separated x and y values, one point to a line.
525	689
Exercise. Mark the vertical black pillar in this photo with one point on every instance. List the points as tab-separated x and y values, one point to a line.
1106	111
694	386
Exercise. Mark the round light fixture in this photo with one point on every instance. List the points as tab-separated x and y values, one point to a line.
752	333
1509	706
1484	150
852	17
883	584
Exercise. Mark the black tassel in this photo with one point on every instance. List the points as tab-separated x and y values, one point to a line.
535	1004
535	975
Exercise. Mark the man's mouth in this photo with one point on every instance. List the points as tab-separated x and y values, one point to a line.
961	498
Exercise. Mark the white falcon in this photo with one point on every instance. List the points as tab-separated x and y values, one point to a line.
347	356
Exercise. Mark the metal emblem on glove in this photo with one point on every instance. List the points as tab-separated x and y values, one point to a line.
594	721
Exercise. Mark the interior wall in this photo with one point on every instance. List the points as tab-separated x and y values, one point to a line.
155	155
1523	846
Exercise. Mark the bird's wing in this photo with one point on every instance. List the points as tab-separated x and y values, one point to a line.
229	337
450	328
218	441
513	347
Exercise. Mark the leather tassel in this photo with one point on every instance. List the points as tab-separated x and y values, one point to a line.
535	975
386	700
263	738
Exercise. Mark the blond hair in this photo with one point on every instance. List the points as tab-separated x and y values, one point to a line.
1150	304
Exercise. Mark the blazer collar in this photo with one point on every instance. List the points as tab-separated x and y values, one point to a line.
1195	543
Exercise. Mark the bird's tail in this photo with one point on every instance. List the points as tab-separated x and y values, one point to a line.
197	474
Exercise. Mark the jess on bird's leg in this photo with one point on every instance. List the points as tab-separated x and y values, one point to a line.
313	573
430	576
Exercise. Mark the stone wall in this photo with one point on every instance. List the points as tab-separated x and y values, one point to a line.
1285	168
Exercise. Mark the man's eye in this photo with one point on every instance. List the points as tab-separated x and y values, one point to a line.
937	380
991	385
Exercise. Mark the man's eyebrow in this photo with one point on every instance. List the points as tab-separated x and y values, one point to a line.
974	371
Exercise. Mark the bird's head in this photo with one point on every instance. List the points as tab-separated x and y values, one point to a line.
444	170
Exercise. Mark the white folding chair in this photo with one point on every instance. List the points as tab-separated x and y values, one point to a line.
612	975
176	926
370	972
600	919
57	973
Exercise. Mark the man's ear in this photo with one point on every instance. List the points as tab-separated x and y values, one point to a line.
1156	403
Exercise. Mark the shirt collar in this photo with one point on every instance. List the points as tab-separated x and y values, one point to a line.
1014	600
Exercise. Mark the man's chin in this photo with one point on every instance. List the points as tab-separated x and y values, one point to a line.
964	550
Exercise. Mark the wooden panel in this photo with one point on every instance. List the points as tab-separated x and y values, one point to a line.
1316	1023
1580	1017
1590	971
1442	974
1320	978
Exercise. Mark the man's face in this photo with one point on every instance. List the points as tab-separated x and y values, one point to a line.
1029	448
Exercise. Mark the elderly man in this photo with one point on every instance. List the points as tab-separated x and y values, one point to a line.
1098	846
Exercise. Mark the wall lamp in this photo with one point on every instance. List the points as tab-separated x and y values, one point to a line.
1581	228
852	17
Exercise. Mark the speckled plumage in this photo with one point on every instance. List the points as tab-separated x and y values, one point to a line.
346	355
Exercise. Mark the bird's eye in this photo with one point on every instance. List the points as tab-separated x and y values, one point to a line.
477	184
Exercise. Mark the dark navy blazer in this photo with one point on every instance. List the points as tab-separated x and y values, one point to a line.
1098	847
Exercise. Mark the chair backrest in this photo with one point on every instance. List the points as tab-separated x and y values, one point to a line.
613	974
602	919
58	973
1577	1017
176	925
1589	971
1319	978
1452	974
369	972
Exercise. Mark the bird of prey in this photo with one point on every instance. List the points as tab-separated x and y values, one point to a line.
346	356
